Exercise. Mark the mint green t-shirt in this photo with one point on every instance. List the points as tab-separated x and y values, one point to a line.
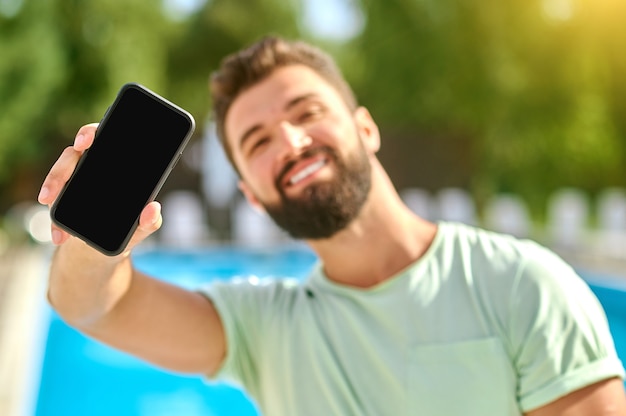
481	325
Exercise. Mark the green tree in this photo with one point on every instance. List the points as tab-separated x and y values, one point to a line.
526	97
32	72
493	96
218	29
63	62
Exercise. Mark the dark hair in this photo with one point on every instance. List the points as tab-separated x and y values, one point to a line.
245	68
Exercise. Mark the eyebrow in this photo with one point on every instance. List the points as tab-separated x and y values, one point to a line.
290	104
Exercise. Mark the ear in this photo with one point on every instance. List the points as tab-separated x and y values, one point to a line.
368	130
252	199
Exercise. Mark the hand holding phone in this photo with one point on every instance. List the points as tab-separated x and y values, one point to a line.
135	147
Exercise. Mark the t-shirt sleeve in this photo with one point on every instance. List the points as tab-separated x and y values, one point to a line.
560	332
246	308
236	305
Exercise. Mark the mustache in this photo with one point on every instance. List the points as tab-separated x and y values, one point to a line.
304	155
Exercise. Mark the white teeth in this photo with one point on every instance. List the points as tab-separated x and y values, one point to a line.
309	170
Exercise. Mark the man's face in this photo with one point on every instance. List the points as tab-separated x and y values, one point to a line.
302	154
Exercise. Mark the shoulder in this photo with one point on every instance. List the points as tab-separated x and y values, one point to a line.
490	255
524	269
248	308
253	292
490	244
552	324
520	284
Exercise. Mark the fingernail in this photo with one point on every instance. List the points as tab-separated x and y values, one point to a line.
80	140
43	194
56	236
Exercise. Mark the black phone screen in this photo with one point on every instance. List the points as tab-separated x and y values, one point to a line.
136	145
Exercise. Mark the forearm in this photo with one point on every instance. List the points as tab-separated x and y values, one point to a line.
84	285
106	298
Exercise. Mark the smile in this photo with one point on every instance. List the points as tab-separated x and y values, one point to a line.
308	171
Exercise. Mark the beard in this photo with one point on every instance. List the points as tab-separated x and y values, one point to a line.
325	208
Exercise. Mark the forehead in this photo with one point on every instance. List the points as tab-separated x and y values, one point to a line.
267	99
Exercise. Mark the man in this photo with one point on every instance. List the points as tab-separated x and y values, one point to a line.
401	316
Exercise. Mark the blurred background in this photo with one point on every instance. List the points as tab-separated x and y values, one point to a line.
522	98
508	115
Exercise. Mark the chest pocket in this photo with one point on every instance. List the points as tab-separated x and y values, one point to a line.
469	378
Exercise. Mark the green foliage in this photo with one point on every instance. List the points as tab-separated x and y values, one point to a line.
526	96
63	62
32	71
222	27
534	85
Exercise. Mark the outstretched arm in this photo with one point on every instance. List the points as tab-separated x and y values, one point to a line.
108	299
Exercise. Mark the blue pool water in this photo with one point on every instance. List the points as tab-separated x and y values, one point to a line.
83	377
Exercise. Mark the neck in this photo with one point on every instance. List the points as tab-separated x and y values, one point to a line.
385	238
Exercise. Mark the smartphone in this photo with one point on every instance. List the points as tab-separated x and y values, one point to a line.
137	144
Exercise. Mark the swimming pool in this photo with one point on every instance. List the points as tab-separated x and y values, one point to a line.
83	377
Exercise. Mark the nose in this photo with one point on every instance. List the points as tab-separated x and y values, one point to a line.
294	137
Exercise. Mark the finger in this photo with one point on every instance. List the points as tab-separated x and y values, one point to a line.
150	221
84	137
64	166
58	236
58	176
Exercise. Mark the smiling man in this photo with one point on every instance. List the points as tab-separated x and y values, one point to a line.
294	140
400	316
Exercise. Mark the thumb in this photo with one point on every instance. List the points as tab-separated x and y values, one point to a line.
150	219
149	222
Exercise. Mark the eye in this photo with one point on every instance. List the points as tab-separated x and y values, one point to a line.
309	114
257	144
